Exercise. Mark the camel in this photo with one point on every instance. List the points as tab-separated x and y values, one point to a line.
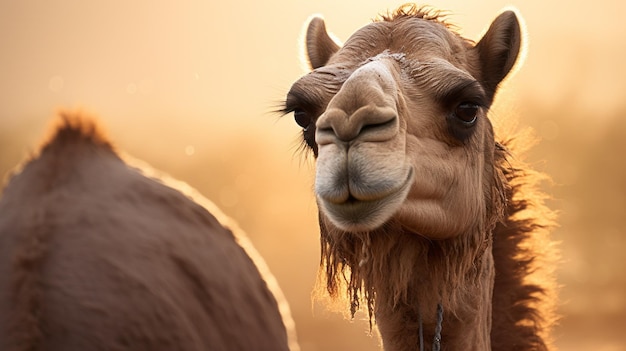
426	218
96	254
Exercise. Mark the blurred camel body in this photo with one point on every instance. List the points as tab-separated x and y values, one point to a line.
95	255
426	218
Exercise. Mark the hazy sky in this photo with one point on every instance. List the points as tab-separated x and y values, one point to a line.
208	60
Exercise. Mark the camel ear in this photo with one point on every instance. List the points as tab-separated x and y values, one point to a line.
319	45
498	50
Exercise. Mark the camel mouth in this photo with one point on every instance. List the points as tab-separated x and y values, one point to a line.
354	215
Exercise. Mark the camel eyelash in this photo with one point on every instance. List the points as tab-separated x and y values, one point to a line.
467	91
285	109
290	104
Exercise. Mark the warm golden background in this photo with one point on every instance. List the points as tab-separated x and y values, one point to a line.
189	86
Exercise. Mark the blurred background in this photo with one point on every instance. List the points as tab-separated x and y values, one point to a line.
190	86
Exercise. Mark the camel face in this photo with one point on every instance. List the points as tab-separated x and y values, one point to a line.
405	155
397	120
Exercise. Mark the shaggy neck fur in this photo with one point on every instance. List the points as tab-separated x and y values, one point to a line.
399	275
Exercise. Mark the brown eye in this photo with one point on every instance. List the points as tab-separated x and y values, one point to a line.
466	112
302	118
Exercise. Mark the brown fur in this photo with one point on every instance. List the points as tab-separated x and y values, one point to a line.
493	279
424	12
95	255
524	297
525	287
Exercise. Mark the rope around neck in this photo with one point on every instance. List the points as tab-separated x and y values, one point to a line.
438	326
421	332
437	337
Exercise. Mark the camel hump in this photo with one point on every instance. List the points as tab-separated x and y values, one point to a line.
97	254
74	156
76	127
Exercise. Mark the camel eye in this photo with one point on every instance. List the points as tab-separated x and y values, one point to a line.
302	118
467	112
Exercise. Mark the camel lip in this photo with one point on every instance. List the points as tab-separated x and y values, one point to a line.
363	215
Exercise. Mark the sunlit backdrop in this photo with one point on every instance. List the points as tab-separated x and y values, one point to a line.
191	86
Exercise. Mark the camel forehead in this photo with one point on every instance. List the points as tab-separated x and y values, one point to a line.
380	77
372	71
425	51
416	37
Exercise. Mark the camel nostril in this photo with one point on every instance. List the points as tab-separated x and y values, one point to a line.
326	130
376	123
376	127
325	135
368	123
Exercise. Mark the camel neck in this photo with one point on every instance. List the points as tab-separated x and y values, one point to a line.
401	275
466	324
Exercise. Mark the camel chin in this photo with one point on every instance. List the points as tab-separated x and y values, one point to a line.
364	215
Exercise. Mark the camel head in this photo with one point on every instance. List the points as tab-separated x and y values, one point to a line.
423	215
397	120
